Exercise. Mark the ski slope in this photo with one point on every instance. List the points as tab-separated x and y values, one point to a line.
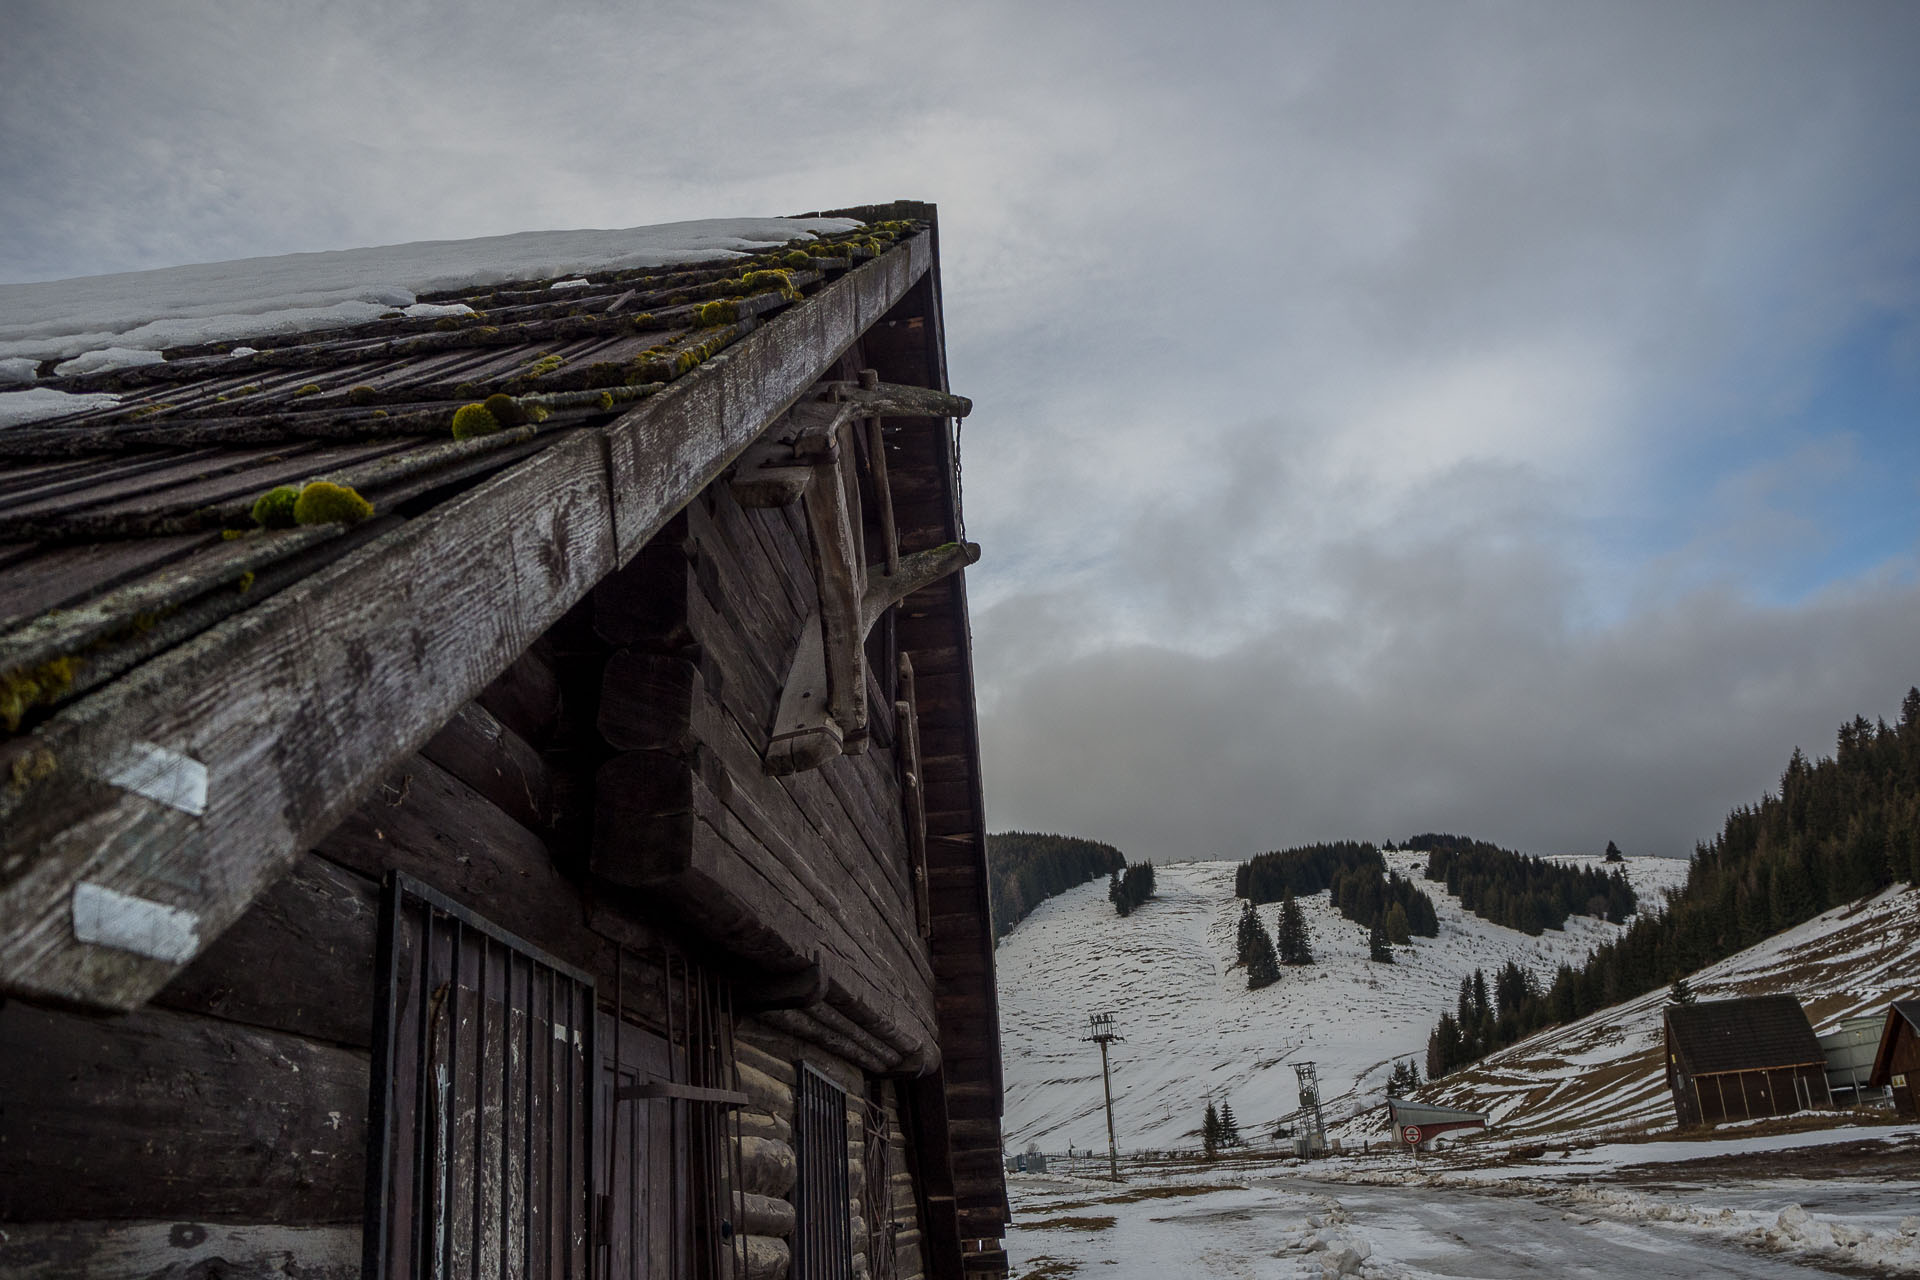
1194	1031
1605	1071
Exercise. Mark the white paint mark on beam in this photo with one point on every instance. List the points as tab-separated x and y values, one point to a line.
108	918
160	773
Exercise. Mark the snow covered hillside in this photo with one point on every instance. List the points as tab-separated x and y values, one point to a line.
1605	1071
1192	1028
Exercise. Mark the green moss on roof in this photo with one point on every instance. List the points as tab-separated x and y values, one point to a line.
323	502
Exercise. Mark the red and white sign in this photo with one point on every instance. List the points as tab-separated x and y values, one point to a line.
1412	1134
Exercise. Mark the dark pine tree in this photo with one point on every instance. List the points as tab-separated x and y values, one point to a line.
1210	1131
1294	944
1263	966
1229	1127
1377	949
1613	853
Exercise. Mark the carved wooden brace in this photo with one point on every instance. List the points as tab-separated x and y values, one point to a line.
809	457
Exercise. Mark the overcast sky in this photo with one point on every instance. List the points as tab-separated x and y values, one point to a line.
1496	418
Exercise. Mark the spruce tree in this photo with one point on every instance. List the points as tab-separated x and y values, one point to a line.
1263	967
1229	1127
1292	940
1613	853
1680	992
1243	947
1377	949
1398	929
1210	1131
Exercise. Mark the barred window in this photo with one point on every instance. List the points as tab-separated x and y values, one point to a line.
823	1244
482	1104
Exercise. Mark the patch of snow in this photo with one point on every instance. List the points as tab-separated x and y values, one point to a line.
570	284
243	351
106	358
301	292
17	407
434	310
18	371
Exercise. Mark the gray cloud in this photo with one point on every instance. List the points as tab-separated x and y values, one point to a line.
1391	415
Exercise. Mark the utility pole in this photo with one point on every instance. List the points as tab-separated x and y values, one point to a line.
1100	1031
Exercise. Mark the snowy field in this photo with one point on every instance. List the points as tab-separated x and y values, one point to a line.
1369	1218
1192	1028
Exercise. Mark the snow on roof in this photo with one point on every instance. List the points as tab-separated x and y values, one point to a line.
113	319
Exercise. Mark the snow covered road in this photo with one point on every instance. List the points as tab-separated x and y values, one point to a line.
1425	1231
1277	1227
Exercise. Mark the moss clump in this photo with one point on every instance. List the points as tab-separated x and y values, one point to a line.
362	395
776	281
505	410
378	413
723	311
25	688
311	389
605	401
798	258
30	767
274	508
245	584
393	315
471	421
469	389
644	321
324	502
447	322
545	365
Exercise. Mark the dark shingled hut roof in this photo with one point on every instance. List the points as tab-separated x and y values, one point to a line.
1907	1011
1748	1034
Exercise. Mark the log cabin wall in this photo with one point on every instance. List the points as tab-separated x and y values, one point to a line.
602	798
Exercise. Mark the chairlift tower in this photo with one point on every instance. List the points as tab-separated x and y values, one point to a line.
1100	1031
1310	1103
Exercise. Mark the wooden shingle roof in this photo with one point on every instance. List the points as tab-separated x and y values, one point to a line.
1748	1034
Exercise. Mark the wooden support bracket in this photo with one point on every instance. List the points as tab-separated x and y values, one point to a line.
810	457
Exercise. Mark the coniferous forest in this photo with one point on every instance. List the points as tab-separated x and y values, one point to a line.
1836	831
1025	868
1363	890
1522	892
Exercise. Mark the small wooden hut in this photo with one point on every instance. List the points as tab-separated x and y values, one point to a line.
549	844
1743	1059
1897	1063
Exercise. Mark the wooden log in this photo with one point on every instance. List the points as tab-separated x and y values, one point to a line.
767	1167
770	1095
496	762
647	702
644	603
811	1031
423	821
748	1050
763	1216
766	1258
526	698
301	959
121	1250
158	1114
758	1124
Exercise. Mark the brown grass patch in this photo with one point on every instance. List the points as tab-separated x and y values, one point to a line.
1100	1223
1164	1193
1048	1269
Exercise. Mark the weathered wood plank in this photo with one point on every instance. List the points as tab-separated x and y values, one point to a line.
118	1250
159	1114
294	708
526	698
300	959
423	821
670	447
497	763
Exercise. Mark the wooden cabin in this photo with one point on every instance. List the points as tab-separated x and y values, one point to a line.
549	847
1897	1063
1743	1059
